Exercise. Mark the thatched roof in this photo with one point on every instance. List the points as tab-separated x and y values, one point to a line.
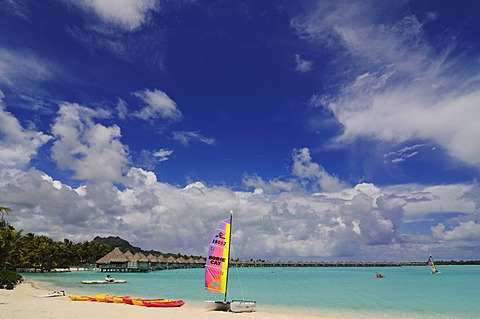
152	258
171	259
115	256
129	256
140	257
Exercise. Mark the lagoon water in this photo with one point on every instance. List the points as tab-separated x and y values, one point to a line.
405	292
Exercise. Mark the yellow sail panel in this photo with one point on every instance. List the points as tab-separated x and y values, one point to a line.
226	258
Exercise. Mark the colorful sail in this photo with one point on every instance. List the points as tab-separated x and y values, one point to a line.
216	266
432	265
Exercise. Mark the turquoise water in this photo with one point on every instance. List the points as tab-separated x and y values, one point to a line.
405	292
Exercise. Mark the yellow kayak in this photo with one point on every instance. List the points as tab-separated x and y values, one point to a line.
79	298
119	299
104	298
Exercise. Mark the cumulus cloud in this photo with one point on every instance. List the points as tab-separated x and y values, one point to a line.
362	219
399	87
469	230
43	205
282	221
17	144
306	175
91	150
127	14
157	105
273	186
304	168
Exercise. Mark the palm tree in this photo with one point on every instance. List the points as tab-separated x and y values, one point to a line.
9	239
3	211
10	247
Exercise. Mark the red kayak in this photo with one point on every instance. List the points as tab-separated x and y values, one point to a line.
129	300
163	303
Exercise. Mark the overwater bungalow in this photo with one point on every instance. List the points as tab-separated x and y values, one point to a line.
113	261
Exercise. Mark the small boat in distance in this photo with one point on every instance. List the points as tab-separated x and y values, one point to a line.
216	271
431	263
116	281
379	275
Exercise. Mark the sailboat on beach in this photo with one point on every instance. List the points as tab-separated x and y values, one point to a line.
431	263
216	270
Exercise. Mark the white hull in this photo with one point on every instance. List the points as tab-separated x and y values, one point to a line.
217	305
54	294
103	282
243	306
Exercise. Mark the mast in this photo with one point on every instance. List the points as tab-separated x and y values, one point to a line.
228	259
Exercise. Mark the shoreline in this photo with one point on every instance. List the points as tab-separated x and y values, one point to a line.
24	302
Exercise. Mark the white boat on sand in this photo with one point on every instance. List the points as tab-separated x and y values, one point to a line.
54	294
242	306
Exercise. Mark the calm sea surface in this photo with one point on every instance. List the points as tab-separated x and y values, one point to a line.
405	292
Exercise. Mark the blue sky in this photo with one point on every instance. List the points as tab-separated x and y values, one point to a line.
343	130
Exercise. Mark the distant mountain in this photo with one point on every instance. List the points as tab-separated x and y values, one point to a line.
116	242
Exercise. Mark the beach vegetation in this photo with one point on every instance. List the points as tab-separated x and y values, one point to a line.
9	279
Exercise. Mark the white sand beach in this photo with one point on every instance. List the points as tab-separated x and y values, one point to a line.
24	303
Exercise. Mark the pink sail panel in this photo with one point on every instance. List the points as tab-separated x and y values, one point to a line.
216	266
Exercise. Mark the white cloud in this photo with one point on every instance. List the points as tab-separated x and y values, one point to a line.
302	65
19	67
122	109
304	168
274	186
468	230
48	207
17	145
187	137
158	104
16	8
306	175
128	14
403	153
91	150
358	223
403	89
163	154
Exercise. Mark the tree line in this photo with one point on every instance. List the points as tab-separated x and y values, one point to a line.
41	252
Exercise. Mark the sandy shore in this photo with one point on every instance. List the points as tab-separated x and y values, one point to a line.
24	303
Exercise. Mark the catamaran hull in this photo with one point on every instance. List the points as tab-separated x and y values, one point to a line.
217	305
243	306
